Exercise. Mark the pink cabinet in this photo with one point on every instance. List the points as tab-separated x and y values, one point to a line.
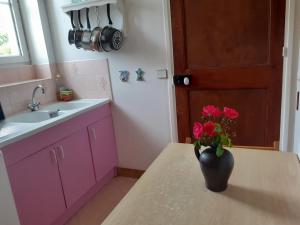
37	189
103	145
50	184
75	166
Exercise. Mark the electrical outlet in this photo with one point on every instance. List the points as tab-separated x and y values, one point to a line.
162	74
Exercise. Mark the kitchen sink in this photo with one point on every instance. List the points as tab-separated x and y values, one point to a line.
65	106
34	117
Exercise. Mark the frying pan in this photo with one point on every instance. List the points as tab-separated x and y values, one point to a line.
86	36
95	44
111	38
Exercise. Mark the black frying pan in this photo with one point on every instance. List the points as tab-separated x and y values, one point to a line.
111	38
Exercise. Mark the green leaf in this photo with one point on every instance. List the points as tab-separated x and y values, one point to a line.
223	139
218	128
216	140
220	151
197	144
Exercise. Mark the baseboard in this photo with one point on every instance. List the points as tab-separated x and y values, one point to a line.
124	172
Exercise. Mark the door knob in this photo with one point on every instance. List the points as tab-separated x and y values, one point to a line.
184	80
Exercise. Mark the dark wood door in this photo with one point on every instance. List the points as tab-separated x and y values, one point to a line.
233	51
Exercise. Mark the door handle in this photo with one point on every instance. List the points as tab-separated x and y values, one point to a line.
182	80
53	156
61	152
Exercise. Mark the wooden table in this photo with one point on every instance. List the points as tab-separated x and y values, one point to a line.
264	189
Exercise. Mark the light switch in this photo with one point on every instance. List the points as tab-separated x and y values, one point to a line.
162	74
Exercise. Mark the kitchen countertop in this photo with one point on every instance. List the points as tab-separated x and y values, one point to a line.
264	189
24	130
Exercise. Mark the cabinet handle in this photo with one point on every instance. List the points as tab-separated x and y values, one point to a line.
53	156
61	152
298	100
94	133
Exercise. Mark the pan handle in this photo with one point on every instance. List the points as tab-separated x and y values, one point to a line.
72	20
88	23
108	14
79	19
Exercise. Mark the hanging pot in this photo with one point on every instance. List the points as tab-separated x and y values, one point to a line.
216	170
78	32
95	44
71	35
111	38
86	36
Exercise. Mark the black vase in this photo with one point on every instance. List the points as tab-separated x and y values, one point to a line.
216	170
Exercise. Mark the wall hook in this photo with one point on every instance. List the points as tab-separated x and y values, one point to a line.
124	75
140	75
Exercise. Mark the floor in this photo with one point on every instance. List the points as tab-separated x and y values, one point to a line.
103	203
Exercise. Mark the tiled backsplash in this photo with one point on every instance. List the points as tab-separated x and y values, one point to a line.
14	98
88	79
15	74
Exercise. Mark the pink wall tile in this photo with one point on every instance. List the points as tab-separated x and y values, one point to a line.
15	98
43	71
88	79
16	74
15	95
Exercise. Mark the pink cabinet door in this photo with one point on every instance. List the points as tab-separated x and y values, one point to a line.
75	166
103	144
37	189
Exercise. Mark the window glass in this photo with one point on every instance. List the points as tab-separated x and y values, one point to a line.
9	43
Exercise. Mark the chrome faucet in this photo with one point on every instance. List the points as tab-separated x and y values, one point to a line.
34	105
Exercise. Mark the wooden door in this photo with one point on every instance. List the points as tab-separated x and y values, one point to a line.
103	144
37	189
233	51
76	166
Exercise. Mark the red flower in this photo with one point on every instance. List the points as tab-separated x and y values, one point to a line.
231	113
209	129
197	130
211	110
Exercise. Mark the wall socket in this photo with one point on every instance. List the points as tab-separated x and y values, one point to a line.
162	74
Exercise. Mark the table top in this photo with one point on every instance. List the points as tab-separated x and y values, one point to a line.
264	189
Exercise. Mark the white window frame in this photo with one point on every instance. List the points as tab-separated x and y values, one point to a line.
24	57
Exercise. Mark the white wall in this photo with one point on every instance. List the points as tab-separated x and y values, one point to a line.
295	117
141	111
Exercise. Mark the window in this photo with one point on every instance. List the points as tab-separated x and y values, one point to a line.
13	47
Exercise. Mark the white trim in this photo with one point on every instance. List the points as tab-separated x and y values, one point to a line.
24	57
285	131
170	64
